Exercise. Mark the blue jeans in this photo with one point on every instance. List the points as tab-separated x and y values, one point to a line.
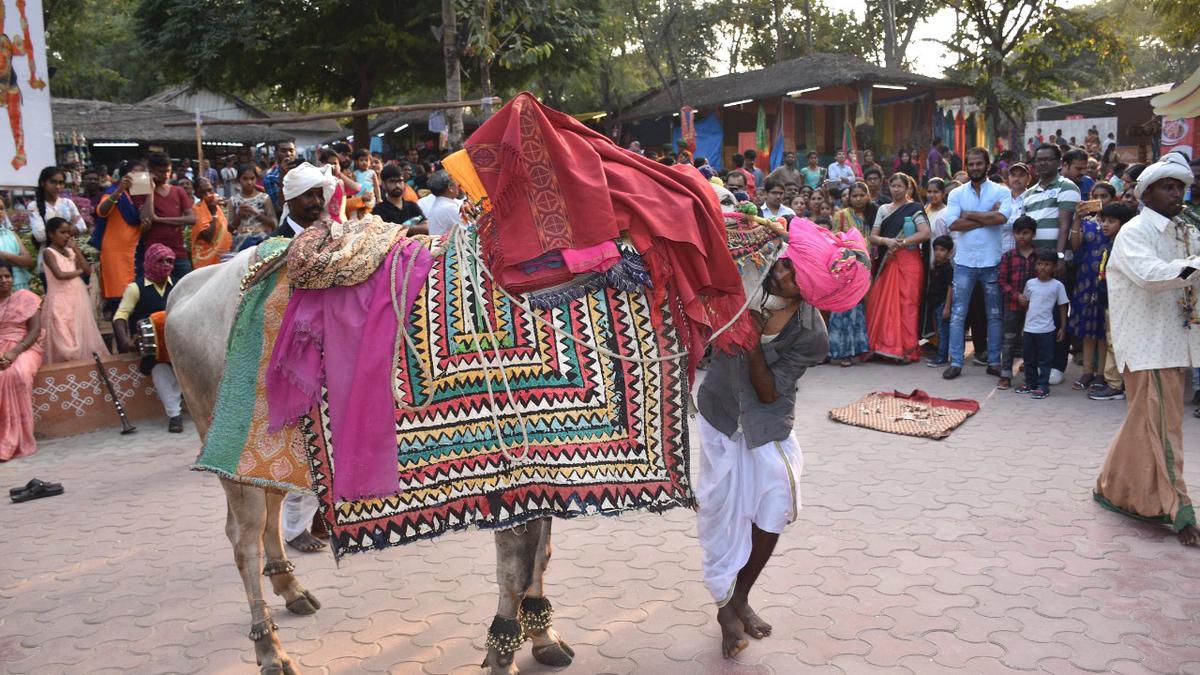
965	279
942	326
1038	349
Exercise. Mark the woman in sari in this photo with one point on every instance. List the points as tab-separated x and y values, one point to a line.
13	251
900	235
20	358
848	330
118	228
210	235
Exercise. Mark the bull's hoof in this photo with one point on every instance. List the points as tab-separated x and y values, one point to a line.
304	605
556	655
286	667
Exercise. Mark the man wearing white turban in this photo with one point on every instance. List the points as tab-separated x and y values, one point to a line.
306	189
1152	289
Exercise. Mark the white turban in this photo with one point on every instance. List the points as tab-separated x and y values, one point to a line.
1171	165
306	177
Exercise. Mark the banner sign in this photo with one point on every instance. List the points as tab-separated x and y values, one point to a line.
27	145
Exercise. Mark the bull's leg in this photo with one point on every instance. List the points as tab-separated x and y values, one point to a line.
516	550
245	524
537	615
278	568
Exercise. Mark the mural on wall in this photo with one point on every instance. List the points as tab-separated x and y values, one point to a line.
28	145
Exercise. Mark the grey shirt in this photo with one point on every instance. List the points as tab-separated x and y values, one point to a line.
727	398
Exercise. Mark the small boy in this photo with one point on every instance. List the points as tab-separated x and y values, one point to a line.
941	296
1016	269
1043	295
1111	218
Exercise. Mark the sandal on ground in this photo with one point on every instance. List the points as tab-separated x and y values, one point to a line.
306	544
37	491
846	363
1084	381
28	486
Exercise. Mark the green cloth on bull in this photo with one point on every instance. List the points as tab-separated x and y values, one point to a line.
234	446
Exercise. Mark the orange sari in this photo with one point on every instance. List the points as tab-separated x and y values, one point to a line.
117	250
205	253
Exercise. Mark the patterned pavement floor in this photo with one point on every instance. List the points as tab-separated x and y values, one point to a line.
980	553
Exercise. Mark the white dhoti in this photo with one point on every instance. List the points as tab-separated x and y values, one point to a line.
739	487
167	386
298	512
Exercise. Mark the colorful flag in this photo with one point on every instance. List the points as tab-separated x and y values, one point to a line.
761	143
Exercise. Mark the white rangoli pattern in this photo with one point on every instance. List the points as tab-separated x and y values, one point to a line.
80	395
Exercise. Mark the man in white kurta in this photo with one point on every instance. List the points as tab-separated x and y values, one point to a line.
1153	287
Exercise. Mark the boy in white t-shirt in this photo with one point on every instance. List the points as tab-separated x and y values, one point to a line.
1042	296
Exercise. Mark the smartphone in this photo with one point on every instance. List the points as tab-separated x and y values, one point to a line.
1090	206
142	185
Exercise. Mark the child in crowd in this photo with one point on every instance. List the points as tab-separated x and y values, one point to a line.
1087	316
368	181
251	212
1043	295
1016	269
1112	216
941	297
71	332
799	205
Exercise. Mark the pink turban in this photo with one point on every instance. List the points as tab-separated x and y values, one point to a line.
833	270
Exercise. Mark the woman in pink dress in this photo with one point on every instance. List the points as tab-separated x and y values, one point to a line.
20	358
71	332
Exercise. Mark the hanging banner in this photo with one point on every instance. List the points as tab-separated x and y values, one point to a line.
28	144
1180	135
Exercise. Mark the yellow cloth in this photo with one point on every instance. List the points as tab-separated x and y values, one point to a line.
460	168
133	293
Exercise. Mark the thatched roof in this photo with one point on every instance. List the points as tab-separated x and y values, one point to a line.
819	70
144	123
251	110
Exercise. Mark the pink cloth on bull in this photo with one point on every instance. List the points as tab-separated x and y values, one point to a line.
832	269
344	337
596	258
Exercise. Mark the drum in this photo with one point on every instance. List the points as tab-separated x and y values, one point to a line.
151	338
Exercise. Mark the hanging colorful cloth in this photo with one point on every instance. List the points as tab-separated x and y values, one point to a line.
687	127
761	141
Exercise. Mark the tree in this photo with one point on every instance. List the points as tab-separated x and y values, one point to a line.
91	56
523	37
764	32
1029	49
896	20
301	47
454	122
1159	40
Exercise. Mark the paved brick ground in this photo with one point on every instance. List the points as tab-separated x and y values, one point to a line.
980	553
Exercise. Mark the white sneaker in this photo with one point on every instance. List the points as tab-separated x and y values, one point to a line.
1056	376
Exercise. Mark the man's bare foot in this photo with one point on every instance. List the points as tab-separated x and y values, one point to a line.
755	626
1189	536
306	543
733	639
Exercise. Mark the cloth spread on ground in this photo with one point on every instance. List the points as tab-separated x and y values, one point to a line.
342	339
912	414
554	184
604	435
239	444
329	254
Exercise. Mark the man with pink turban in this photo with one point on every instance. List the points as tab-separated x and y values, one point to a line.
145	296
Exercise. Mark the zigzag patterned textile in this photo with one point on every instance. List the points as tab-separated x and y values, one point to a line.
604	435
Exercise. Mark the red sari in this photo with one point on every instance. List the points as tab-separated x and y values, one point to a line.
894	303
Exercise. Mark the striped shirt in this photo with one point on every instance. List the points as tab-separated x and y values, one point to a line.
1043	203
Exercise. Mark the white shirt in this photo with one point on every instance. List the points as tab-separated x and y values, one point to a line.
443	215
842	173
783	211
426	204
978	247
1007	241
1044	298
296	227
63	208
1145	293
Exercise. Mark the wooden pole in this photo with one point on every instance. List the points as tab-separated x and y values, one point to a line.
199	154
409	107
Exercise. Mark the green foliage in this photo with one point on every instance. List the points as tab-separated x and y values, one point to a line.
1032	49
333	50
1160	38
92	52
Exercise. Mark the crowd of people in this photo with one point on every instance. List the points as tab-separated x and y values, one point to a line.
956	244
92	248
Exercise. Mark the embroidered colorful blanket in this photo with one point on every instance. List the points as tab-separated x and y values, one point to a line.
566	430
